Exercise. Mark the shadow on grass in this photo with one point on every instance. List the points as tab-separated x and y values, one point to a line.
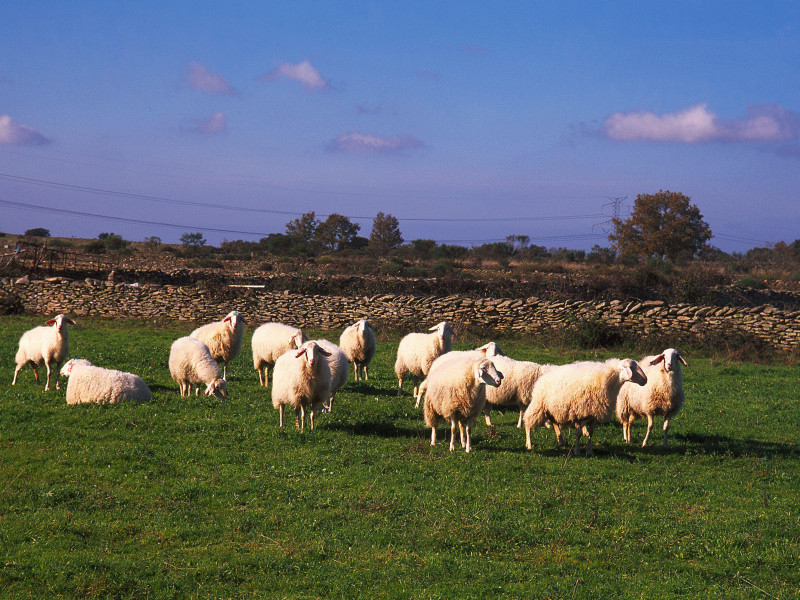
725	446
375	429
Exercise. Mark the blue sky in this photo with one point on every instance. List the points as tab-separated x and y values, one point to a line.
468	121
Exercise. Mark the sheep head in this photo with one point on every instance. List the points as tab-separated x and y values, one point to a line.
66	370
310	351
486	372
234	318
59	321
442	329
217	388
629	370
490	349
670	357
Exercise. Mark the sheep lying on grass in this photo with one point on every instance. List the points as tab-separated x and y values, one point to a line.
456	392
489	350
580	394
358	344
270	340
661	395
301	379
223	338
46	346
417	351
88	383
337	363
191	363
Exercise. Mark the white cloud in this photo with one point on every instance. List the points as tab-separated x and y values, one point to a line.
201	79
216	123
364	143
303	72
20	135
764	123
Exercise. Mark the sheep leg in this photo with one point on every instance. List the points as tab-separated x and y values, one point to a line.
366	373
311	414
666	426
468	429
576	450
416	385
266	375
225	372
588	431
519	422
433	435
452	434
47	385
299	418
559	436
329	407
399	385
16	372
461	434
280	411
649	429
486	416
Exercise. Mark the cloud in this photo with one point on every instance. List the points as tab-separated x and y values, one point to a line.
201	79
216	123
364	143
20	135
696	124
303	72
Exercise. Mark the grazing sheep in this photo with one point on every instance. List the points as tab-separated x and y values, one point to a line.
417	351
489	350
44	346
301	379
456	391
580	394
270	340
191	363
88	383
223	338
337	363
661	395
519	378
358	344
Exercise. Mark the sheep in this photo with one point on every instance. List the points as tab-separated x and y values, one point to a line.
581	394
486	351
88	383
456	391
358	344
519	378
338	365
191	363
417	351
270	340
223	338
301	379
662	395
44	346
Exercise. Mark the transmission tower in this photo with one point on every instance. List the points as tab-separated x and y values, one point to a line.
615	203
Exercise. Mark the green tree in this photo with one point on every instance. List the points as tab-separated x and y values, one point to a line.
304	228
663	225
337	232
37	232
385	233
194	240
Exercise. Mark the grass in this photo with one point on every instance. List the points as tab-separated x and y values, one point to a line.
198	498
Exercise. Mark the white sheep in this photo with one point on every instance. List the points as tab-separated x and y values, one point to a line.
519	378
456	392
489	350
46	345
270	340
417	351
338	365
301	379
358	344
223	338
661	395
88	383
580	394
191	363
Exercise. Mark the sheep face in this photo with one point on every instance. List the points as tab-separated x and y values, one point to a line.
442	329
631	371
59	321
217	388
486	372
297	340
490	349
309	350
66	370
363	325
233	318
670	358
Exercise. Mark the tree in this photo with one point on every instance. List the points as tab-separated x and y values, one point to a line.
518	242
385	232
195	240
337	232
304	228
38	232
663	225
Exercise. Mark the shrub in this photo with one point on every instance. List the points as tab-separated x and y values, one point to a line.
592	333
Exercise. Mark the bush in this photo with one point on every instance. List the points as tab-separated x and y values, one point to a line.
592	333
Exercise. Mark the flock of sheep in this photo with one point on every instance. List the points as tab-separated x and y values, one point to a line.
456	385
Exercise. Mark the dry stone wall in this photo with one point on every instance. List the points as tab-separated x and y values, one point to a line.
106	299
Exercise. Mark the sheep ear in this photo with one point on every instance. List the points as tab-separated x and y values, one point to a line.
683	360
70	321
300	352
626	374
434	328
50	322
657	359
324	352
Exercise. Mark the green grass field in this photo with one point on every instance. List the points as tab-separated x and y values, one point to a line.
200	498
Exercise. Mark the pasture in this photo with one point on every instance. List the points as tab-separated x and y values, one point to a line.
201	498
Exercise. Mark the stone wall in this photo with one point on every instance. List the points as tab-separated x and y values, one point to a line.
106	299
